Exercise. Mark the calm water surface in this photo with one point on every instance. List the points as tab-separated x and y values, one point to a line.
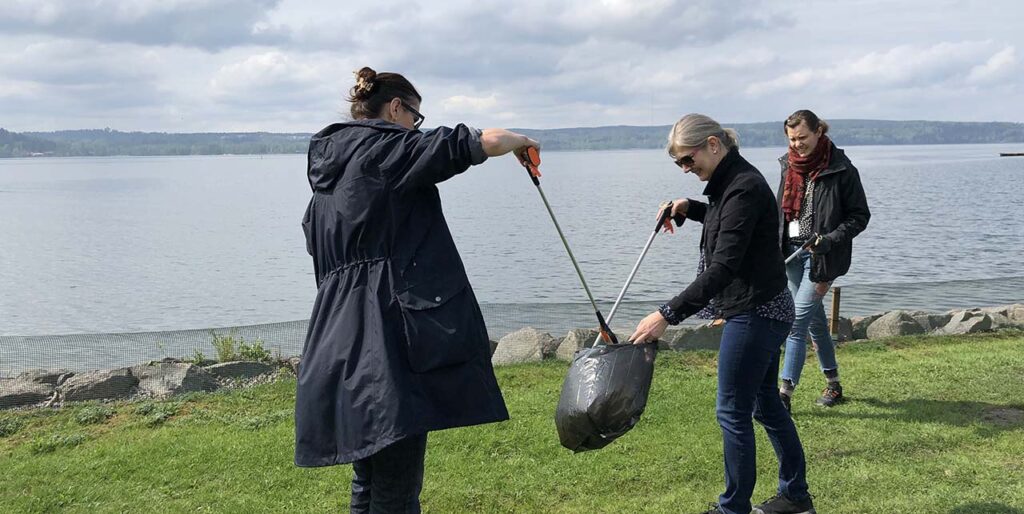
163	243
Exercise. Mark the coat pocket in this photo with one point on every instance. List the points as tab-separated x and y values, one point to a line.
441	324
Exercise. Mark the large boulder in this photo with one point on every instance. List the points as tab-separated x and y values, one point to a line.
48	377
1001	316
861	324
968	322
1002	310
170	378
931	321
892	324
240	369
17	393
845	330
99	385
576	340
1000	322
704	337
524	345
1015	312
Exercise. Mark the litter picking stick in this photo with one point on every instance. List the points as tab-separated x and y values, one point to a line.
663	221
803	249
531	160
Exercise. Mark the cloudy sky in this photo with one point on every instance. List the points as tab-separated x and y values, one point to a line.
285	65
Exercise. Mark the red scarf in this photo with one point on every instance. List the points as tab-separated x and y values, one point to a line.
800	169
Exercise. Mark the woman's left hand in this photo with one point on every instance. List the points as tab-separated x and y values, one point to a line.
649	328
822	245
820	288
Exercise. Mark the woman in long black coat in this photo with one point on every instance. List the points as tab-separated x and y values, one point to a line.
397	345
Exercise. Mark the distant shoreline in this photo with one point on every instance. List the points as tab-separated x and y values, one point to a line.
109	143
781	147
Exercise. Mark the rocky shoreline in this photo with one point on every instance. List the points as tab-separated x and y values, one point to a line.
530	345
169	377
157	379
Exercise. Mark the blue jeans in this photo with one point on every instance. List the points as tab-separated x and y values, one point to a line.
389	481
810	318
748	364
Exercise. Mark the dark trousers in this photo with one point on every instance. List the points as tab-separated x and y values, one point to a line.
389	481
748	366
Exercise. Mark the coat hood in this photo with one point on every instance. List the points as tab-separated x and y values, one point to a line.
333	148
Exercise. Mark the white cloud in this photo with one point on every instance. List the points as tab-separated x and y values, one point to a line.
999	66
273	71
209	24
68	63
904	66
462	104
285	65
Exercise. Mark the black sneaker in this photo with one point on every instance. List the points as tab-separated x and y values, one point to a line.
787	402
780	504
832	395
713	510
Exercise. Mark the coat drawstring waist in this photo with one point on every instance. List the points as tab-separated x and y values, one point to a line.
348	265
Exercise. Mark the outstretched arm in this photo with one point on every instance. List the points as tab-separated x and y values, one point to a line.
497	141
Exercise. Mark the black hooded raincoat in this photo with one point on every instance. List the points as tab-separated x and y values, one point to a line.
396	344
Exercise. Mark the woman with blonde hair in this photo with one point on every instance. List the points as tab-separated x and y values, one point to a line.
741	278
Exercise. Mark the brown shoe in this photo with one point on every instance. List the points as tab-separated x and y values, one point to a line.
832	395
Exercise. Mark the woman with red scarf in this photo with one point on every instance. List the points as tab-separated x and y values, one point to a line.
822	206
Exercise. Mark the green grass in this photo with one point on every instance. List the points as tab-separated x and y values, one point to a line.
933	425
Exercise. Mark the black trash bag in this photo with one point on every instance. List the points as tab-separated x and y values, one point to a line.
604	394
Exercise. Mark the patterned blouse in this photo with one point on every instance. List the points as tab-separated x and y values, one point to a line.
779	308
806	217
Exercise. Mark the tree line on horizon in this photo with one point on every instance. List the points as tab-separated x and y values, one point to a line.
108	142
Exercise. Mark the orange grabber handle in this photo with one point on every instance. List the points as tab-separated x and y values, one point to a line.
531	160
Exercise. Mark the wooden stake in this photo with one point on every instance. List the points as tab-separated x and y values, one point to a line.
833	327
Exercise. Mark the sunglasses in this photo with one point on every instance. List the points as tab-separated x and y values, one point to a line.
687	160
417	118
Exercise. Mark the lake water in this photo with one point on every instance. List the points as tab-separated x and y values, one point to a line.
131	244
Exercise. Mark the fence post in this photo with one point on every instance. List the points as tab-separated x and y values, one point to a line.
833	325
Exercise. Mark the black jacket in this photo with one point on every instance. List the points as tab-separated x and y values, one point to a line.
396	345
840	213
744	266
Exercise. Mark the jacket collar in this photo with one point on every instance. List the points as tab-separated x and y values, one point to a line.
374	123
838	162
726	169
377	123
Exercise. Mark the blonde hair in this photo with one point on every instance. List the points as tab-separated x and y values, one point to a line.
695	129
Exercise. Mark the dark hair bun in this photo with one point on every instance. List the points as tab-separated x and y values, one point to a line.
366	80
372	90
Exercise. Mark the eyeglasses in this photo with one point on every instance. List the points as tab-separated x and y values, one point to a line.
417	118
687	160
